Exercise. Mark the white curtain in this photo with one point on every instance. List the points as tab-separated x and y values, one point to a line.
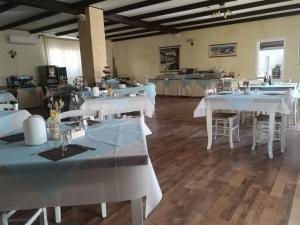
64	53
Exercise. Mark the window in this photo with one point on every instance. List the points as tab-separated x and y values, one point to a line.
270	58
64	53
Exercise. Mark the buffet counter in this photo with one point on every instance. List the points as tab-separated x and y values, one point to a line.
183	87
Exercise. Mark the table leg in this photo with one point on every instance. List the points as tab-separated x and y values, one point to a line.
103	210
271	134
209	127
137	211
283	132
57	212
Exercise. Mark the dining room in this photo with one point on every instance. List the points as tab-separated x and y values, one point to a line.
149	112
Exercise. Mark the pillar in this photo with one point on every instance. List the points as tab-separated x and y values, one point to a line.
92	44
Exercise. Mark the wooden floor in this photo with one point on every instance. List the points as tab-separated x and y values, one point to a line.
238	187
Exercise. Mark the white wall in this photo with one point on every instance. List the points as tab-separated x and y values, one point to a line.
29	56
140	57
27	60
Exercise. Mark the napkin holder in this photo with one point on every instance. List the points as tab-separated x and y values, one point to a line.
35	130
77	133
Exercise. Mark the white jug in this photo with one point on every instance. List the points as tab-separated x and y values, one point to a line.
35	130
95	92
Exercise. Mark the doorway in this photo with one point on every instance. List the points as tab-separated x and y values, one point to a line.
270	58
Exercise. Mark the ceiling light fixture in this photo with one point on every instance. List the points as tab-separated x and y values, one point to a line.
222	12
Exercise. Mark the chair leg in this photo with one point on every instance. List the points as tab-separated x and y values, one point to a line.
216	129
57	211
44	217
103	210
283	133
254	134
4	219
238	133
243	117
230	132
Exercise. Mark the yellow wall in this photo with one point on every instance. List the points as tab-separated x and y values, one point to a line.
29	56
27	60
140	57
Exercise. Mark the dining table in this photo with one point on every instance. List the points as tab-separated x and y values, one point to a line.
110	105
253	102
148	89
115	167
274	87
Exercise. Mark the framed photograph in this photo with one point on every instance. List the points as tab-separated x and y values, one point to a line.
222	50
169	58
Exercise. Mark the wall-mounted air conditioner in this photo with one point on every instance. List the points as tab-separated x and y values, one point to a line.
23	40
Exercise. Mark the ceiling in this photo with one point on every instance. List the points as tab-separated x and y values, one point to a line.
128	19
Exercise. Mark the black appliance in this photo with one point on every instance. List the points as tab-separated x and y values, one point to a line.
52	75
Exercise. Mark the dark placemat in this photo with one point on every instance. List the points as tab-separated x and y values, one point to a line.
55	154
89	122
13	138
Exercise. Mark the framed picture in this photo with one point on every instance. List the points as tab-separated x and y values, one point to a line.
222	50
169	58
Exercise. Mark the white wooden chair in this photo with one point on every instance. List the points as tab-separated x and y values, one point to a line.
40	213
79	113
102	115
293	116
75	101
261	130
7	106
261	127
75	114
225	124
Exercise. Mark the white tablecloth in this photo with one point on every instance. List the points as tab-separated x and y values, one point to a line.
275	86
270	104
120	104
184	87
7	97
118	170
240	102
12	121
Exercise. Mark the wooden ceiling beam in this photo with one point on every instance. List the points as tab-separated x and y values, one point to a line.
224	23
51	5
79	6
8	6
53	26
140	23
180	9
240	15
202	14
137	36
72	31
245	20
232	8
28	20
126	34
134	6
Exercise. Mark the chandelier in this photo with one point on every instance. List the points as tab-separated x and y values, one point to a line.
222	12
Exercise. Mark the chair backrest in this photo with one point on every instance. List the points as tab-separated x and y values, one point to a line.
78	113
8	107
102	115
75	101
